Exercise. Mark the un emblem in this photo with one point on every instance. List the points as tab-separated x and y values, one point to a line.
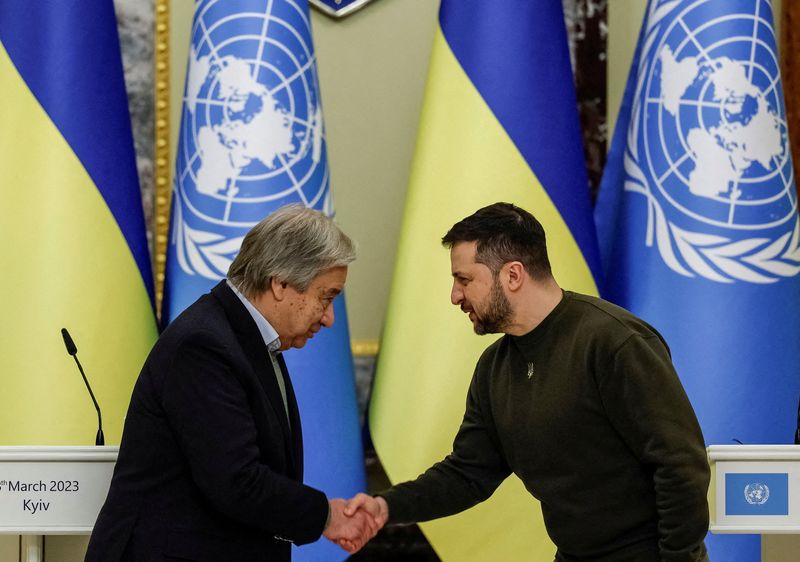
708	145
251	131
756	493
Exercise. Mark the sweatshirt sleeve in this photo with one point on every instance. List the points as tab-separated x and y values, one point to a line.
647	404
467	476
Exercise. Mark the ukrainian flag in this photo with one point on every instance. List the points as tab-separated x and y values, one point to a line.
499	123
74	252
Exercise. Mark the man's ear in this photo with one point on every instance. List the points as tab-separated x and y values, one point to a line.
278	288
515	274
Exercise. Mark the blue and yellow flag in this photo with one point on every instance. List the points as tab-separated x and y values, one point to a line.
74	252
697	219
252	140
499	123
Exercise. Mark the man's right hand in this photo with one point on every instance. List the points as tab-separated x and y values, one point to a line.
376	507
351	532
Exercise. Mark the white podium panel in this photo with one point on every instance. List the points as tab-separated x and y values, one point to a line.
53	490
755	488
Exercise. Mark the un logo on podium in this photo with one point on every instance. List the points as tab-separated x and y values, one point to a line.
252	136
756	493
708	143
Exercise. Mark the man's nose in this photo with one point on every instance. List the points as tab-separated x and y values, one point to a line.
456	295
327	317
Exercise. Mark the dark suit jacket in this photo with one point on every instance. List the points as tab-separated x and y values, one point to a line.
208	468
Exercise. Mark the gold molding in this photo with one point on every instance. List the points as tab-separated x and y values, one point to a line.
161	167
364	348
790	71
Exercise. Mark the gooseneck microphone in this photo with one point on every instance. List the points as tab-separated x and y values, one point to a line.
72	350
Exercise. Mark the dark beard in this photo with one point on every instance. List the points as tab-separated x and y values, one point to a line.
497	315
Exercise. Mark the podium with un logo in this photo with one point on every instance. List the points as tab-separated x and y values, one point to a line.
755	489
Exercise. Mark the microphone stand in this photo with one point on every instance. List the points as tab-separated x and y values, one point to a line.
73	350
99	438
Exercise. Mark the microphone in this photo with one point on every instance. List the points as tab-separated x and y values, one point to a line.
72	350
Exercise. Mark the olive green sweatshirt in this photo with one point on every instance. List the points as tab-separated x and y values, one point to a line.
587	410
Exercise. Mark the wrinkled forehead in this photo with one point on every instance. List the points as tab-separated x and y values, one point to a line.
330	280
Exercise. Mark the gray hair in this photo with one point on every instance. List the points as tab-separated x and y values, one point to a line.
293	244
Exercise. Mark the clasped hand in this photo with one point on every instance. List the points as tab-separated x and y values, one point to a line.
354	522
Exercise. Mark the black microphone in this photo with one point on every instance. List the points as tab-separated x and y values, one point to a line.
72	350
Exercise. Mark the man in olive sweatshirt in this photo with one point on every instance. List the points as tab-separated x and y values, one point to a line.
579	399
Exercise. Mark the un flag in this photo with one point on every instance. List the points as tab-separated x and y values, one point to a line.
251	140
251	136
697	218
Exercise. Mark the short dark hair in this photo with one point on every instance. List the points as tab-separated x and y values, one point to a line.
504	233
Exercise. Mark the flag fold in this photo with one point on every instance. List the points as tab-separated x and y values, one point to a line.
697	218
499	123
74	247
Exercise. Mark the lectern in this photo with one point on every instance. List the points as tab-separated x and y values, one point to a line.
52	491
755	489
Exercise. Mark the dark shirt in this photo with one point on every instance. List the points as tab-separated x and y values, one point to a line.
601	433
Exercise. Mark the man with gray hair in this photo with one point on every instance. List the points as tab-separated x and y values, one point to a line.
211	462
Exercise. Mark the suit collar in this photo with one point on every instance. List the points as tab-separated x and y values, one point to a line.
268	333
253	345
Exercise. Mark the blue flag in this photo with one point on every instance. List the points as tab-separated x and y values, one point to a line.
697	218
252	140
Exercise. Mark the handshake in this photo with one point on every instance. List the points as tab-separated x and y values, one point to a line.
354	522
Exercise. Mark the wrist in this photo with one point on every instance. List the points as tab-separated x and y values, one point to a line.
327	519
384	507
